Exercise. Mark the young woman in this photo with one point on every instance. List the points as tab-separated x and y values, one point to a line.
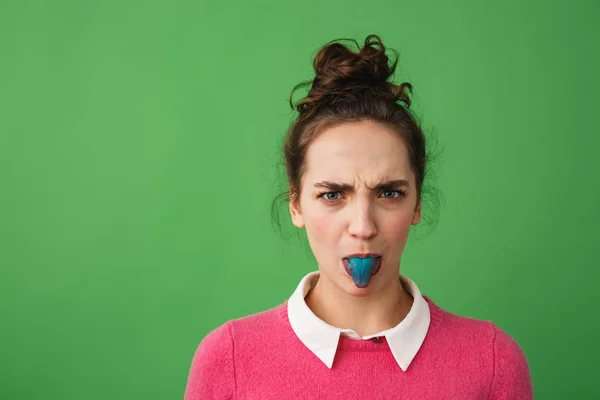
356	328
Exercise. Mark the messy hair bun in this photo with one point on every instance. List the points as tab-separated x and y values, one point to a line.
342	74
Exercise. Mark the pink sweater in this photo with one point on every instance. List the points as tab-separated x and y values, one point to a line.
259	357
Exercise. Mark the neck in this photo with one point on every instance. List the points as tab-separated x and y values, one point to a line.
364	315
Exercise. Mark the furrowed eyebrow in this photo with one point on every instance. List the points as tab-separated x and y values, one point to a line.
343	187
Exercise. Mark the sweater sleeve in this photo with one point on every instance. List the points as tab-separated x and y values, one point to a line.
511	378
212	371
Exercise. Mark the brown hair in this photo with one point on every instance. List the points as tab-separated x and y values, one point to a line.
350	86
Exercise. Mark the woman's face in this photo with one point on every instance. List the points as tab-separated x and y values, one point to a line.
344	210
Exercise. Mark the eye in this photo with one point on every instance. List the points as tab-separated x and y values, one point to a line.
329	196
390	194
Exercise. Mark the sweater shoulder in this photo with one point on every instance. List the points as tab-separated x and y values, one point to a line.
254	326
487	332
213	373
212	370
461	326
511	375
462	335
500	354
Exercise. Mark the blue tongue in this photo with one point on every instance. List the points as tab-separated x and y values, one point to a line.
361	269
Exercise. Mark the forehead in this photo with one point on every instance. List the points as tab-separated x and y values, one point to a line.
363	151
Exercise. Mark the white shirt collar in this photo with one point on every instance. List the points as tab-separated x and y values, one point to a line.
405	339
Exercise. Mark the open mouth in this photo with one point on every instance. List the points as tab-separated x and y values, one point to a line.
362	268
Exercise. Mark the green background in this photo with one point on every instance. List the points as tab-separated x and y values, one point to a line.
139	147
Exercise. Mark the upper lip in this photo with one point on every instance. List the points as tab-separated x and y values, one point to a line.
363	255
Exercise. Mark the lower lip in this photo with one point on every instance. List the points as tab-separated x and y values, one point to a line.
375	271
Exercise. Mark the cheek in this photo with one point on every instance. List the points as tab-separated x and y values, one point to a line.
321	234
319	228
398	227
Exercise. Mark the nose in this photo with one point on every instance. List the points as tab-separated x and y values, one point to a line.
362	224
